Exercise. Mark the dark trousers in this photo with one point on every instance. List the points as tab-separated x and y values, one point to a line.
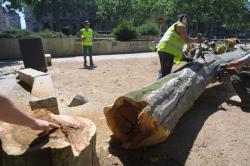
87	51
241	84
166	61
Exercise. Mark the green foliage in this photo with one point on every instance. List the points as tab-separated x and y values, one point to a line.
210	17
148	29
18	33
51	34
142	10
138	11
77	9
125	31
14	33
215	17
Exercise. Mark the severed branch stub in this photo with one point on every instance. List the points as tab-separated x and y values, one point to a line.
147	116
73	144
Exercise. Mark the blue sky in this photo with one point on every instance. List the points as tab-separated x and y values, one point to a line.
22	19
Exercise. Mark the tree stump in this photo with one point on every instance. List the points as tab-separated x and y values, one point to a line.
73	144
147	116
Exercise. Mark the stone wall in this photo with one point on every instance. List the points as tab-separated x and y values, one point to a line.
66	47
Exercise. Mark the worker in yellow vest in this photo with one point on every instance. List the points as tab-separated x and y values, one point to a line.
87	36
170	47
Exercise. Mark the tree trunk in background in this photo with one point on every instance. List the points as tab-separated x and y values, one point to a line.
147	116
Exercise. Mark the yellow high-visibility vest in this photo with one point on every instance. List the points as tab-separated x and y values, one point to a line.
88	35
172	43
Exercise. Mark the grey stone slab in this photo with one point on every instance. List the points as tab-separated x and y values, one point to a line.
28	75
43	94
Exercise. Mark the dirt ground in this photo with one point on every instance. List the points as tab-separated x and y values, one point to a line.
216	131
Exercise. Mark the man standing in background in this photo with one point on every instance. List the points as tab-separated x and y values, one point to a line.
86	35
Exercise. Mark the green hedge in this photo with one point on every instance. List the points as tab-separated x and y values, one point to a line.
51	34
14	33
125	31
148	29
18	33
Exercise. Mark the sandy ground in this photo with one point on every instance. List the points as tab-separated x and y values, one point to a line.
214	132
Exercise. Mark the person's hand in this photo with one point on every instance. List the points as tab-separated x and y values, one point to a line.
43	125
223	67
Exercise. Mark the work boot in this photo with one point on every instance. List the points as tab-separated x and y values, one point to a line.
92	65
85	65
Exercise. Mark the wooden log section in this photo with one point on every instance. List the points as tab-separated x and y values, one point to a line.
73	144
147	116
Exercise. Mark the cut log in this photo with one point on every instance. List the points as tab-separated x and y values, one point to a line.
73	144
147	116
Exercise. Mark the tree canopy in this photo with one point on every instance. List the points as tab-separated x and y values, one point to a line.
206	16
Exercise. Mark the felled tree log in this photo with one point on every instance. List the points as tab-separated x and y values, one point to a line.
73	144
147	116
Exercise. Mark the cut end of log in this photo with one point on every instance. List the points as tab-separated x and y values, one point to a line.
131	124
71	144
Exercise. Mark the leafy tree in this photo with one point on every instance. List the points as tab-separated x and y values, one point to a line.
78	9
148	29
152	9
215	17
137	11
125	31
211	17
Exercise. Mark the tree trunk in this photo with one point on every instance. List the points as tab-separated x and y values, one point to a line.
73	144
147	116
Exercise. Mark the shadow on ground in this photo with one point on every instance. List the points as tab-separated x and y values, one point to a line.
24	86
175	150
8	68
89	67
9	63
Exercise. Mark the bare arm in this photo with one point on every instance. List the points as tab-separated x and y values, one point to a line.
9	113
181	29
235	66
239	62
81	37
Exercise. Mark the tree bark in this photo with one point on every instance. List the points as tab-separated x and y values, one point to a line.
73	144
147	116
